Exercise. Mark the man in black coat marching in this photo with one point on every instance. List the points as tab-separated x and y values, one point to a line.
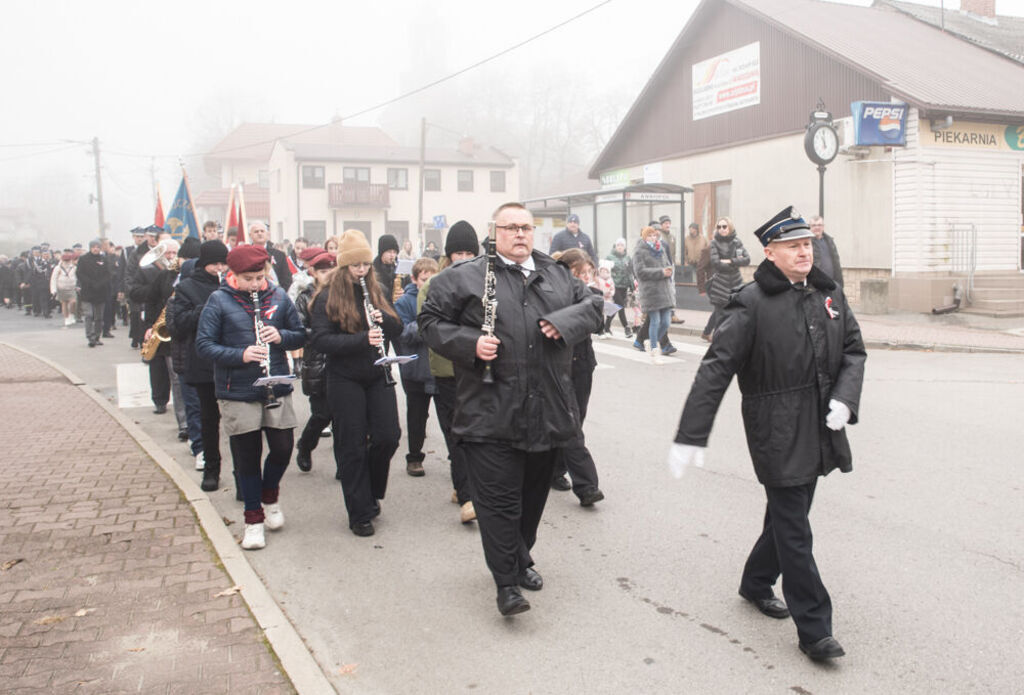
796	349
94	278
511	429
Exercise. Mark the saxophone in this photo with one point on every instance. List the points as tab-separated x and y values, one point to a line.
270	402
158	336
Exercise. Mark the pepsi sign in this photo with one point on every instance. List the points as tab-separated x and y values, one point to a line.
879	123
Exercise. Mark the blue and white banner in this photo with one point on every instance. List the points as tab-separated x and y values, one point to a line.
181	217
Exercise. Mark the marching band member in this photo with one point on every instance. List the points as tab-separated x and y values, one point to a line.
225	337
362	403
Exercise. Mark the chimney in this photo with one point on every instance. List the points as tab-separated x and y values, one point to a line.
979	8
467	146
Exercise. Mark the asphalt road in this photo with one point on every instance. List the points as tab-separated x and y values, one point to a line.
921	547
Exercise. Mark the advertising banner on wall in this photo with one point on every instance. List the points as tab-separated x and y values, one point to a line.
727	82
879	123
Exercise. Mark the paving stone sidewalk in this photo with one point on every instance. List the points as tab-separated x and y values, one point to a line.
107	584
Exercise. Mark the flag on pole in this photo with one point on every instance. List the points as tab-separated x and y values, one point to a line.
158	216
240	217
231	218
181	217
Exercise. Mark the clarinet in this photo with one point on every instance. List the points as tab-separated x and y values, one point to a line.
490	300
389	379
270	402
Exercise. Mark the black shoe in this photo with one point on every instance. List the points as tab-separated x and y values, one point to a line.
530	579
588	498
92	343
511	601
303	459
669	349
135	345
211	481
773	607
108	334
415	469
561	483
182	435
363	529
629	333
825	648
99	342
160	409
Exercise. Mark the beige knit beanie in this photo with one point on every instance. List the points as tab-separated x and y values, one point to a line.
353	248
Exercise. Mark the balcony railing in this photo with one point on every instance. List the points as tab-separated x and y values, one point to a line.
345	195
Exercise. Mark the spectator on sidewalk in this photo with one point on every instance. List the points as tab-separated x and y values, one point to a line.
694	245
654	274
622	277
572	238
826	255
728	255
94	280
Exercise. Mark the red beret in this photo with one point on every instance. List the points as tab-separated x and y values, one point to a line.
322	260
309	253
246	258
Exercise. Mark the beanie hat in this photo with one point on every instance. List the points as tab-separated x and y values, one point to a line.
387	242
247	258
461	237
189	248
212	252
353	248
95	242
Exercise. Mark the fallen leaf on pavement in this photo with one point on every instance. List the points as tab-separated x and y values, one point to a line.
83	612
229	592
227	521
347	669
137	649
50	619
11	563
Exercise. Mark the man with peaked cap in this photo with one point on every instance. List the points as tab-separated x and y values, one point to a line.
796	349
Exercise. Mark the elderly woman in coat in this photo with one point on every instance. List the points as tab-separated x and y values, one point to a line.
653	269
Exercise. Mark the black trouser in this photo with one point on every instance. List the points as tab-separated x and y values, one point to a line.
444	405
713	321
159	379
108	314
575	458
41	300
93	312
644	331
319	418
136	331
417	410
209	425
785	547
619	298
510	488
366	435
259	486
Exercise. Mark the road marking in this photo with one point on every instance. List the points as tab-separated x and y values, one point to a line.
133	385
634	355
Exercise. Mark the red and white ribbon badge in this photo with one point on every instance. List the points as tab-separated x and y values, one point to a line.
832	313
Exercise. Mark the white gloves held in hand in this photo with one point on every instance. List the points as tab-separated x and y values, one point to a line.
680	456
838	415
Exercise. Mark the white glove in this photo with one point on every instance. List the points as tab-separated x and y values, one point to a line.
680	456
838	415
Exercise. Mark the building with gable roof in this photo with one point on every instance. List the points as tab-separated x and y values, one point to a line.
913	219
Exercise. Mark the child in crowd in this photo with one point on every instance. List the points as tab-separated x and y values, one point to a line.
64	286
603	283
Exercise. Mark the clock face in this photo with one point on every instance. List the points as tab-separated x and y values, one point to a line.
826	144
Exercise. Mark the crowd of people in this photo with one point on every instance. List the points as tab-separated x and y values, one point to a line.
227	327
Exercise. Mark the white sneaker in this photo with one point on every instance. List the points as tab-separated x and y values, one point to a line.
200	461
253	539
69	321
656	357
272	516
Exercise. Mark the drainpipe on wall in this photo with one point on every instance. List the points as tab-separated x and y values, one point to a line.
298	200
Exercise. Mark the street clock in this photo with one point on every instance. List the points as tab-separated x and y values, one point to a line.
821	141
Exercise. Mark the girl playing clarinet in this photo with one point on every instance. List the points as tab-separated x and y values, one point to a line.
360	395
227	336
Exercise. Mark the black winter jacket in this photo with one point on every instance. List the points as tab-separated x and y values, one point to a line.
227	327
183	312
314	363
531	405
726	277
349	355
94	275
791	357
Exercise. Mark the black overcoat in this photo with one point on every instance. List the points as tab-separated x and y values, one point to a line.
791	357
531	405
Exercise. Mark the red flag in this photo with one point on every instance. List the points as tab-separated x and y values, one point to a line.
291	266
158	216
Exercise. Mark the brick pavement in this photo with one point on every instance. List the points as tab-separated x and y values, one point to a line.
107	583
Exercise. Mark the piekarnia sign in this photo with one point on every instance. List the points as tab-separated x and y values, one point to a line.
979	136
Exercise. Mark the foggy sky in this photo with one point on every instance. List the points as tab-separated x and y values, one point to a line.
155	80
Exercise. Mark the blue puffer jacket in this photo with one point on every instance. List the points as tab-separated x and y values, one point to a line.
226	328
